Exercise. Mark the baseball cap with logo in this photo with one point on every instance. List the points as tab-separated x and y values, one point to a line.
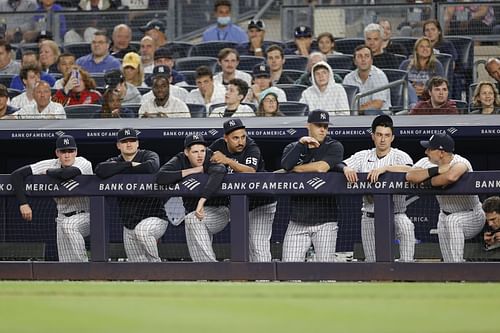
43	35
65	142
113	77
131	59
318	117
153	24
441	141
258	24
193	139
261	70
127	133
232	125
302	31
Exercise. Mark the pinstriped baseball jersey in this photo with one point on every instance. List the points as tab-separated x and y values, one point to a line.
367	160
66	204
453	203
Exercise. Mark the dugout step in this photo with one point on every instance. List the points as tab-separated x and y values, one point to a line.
431	251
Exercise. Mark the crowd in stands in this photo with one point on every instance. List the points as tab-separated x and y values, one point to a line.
246	75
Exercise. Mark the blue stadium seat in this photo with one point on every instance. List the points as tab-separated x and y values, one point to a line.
351	92
447	61
179	49
78	49
98	78
293	91
462	106
341	72
295	62
340	61
191	63
294	109
247	63
189	76
408	43
265	45
134	107
6	78
397	91
82	110
347	45
143	90
209	49
197	110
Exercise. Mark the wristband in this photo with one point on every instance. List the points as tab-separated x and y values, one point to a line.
434	171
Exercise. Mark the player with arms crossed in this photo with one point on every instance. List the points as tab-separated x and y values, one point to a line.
144	220
461	216
240	153
205	216
376	161
73	217
313	219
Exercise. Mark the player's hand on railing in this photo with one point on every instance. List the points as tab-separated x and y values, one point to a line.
26	212
218	157
351	175
375	173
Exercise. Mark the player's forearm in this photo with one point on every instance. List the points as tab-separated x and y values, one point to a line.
292	156
168	177
398	168
319	166
17	180
108	169
417	176
238	167
145	167
216	174
374	104
64	173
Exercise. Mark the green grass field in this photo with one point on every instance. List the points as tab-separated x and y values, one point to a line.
179	307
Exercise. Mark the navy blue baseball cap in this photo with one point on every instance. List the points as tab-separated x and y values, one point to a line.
154	24
127	133
193	139
441	141
318	117
65	142
232	125
261	70
113	77
302	31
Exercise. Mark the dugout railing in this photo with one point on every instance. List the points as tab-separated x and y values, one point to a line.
238	268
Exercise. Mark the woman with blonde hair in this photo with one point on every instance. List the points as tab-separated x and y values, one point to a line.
486	99
132	69
79	88
48	54
422	66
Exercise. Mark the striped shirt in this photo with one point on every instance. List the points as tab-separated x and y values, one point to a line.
453	203
66	204
367	160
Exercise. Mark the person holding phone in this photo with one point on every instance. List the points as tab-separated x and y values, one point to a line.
79	88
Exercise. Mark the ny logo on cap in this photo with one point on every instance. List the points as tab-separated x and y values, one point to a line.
232	123
262	67
302	28
66	142
127	132
196	137
161	70
322	116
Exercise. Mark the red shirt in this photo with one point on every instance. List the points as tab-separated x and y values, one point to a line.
74	98
425	107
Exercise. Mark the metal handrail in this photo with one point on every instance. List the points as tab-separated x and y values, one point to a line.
357	98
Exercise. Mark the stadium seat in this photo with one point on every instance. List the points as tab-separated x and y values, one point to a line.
134	107
463	107
143	90
13	92
209	49
189	76
295	62
293	91
340	61
472	87
408	43
347	45
78	49
401	58
351	92
197	110
21	48
191	63
293	74
82	110
265	45
397	91
99	79
6	78
341	72
179	49
294	109
465	49
447	61
217	105
247	63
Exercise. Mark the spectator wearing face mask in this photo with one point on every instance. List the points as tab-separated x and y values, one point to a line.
224	30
